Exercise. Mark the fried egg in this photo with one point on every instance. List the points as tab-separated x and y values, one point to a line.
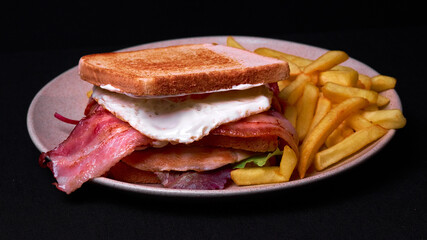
184	121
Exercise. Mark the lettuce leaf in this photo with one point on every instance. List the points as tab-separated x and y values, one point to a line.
259	160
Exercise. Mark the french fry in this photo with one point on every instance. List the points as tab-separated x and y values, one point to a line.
325	62
284	83
291	114
390	118
358	122
288	163
348	146
294	69
231	42
89	93
347	131
372	107
345	78
314	78
299	61
339	134
364	82
382	101
344	132
334	109
294	90
381	83
342	68
334	138
324	105
314	140
338	93
257	175
305	107
296	94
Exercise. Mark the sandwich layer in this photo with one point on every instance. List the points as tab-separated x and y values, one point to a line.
186	121
100	140
184	158
178	70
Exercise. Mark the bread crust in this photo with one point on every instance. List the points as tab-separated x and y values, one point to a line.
183	69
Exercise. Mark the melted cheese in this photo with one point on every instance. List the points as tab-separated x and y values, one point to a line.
187	121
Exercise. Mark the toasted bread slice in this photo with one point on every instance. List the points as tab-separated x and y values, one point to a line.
178	70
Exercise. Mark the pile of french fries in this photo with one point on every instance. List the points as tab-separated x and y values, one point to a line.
335	110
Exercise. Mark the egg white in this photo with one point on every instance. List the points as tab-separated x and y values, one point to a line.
186	121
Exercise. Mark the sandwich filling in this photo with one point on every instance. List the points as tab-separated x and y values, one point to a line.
181	116
186	121
105	137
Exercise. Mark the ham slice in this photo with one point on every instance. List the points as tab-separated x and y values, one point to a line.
184	158
97	143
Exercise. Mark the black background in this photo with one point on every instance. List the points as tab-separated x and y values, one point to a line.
383	198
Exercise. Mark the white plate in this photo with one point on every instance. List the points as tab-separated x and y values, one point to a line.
66	94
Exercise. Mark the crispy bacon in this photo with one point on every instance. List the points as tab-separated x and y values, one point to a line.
98	142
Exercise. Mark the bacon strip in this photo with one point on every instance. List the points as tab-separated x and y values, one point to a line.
97	143
253	144
264	124
100	140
